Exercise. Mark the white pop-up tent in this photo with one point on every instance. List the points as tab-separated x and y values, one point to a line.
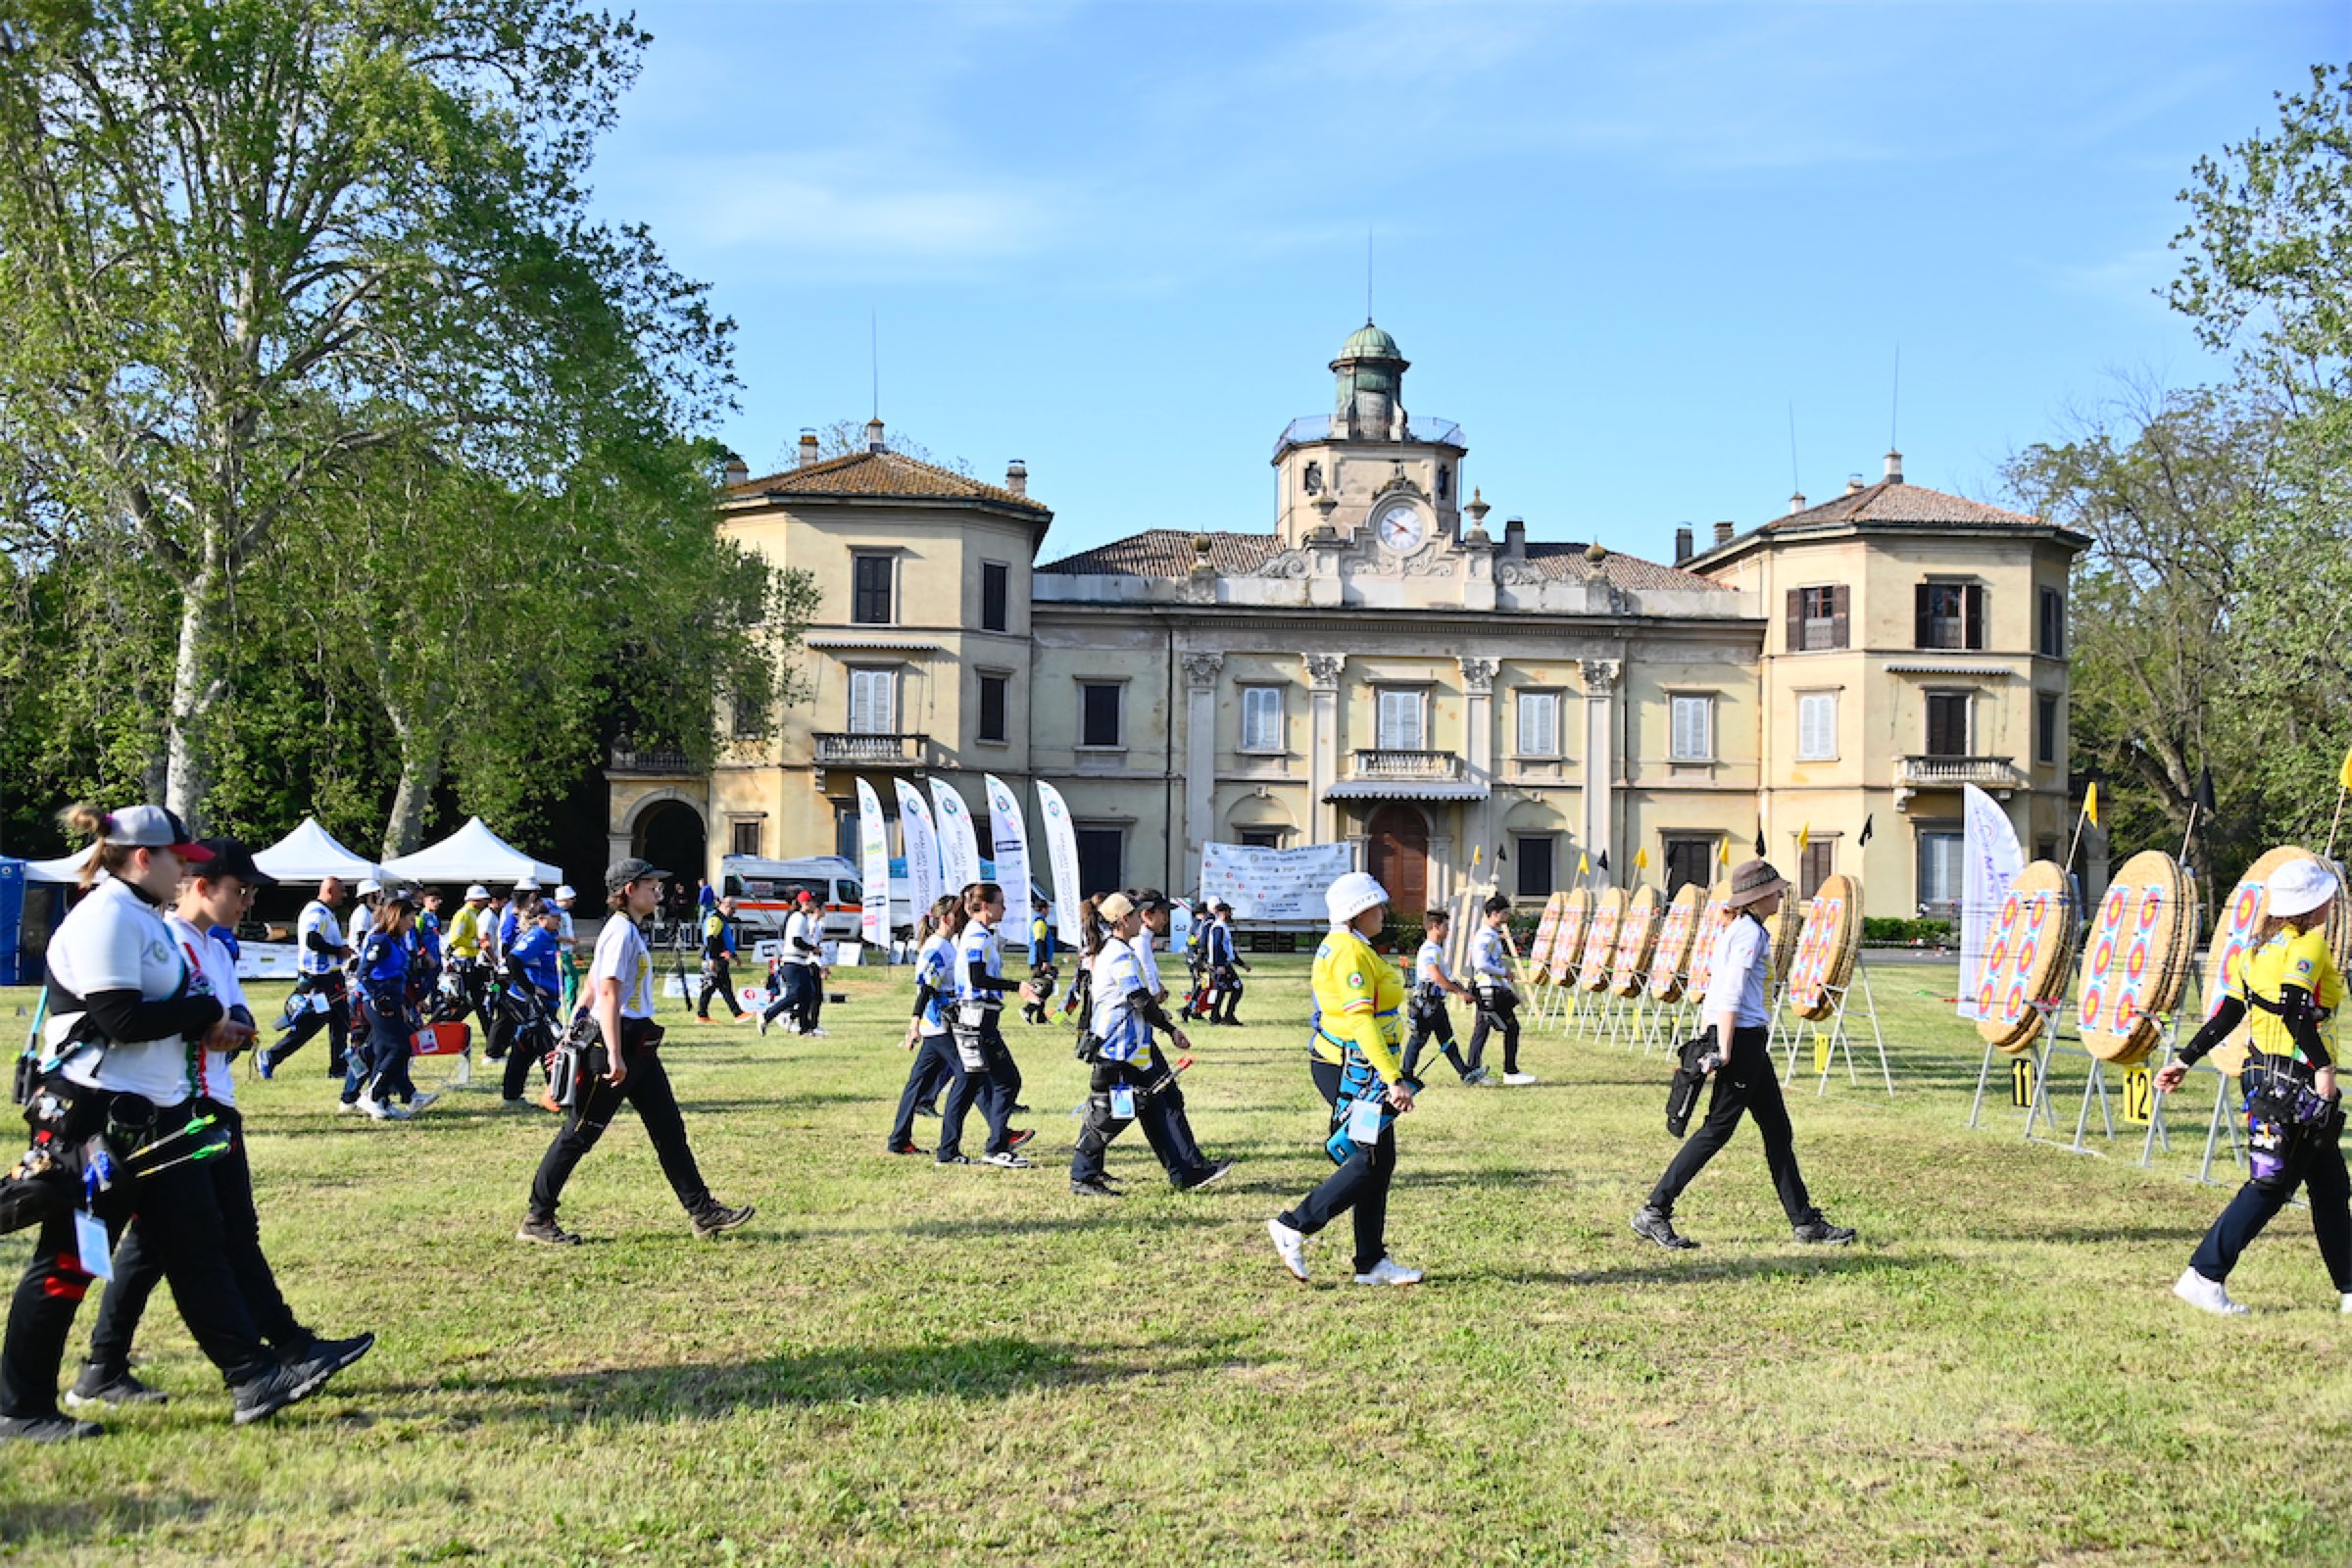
472	853
309	853
66	869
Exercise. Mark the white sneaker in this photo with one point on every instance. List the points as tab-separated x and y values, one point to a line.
816	1034
367	1105
1006	1160
464	1074
348	1107
1517	1080
422	1100
2348	1303
1291	1246
1388	1271
2206	1295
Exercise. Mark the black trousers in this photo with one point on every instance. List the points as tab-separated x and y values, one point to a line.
1228	993
1360	1187
1745	1085
336	1021
182	1215
647	1086
2320	1172
936	1066
994	1085
1504	1015
1432	1021
139	1262
1165	1126
717	978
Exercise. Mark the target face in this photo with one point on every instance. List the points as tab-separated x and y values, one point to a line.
1809	974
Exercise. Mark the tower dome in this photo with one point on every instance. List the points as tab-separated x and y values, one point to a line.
1370	370
1369	342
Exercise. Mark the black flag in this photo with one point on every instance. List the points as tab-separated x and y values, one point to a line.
2205	791
1603	862
1499	856
1759	844
1866	825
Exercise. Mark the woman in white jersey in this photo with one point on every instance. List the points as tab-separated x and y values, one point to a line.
624	1064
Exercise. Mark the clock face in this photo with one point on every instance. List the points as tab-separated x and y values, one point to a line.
1401	529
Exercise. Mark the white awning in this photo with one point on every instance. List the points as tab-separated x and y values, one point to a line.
66	869
473	853
309	853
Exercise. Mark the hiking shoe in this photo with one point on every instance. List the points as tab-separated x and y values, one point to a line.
1656	1225
260	1397
1519	1080
1007	1159
1016	1138
1476	1076
2207	1295
907	1147
1291	1246
98	1387
1819	1232
1388	1271
1217	1171
546	1232
715	1217
1095	1188
46	1429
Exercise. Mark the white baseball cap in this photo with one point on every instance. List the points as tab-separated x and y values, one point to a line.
367	885
2298	888
564	894
526	883
477	891
1351	894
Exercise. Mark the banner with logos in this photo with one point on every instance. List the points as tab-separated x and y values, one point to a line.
1010	846
1061	852
1273	884
1991	860
873	852
958	845
918	841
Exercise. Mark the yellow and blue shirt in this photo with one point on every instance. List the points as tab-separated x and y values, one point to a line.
1360	998
2298	958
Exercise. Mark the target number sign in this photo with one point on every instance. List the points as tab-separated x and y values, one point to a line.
2020	1082
2139	1094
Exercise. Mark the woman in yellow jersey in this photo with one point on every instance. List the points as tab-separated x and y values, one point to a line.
2289	985
1359	1003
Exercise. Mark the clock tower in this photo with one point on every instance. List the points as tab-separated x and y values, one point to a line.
1369	466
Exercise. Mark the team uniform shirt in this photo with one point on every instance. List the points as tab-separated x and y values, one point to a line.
622	954
1735	983
113	940
1119	985
465	932
510	928
802	928
384	964
719	938
1041	943
494	945
212	970
1220	945
535	953
317	920
1358	996
1490	959
979	946
2289	958
429	937
564	940
1429	966
1149	960
363	921
935	966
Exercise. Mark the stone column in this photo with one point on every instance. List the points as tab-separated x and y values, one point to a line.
1478	756
1600	762
1199	756
1323	744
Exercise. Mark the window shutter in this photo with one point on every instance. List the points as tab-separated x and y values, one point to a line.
1972	601
1923	625
1840	601
1796	618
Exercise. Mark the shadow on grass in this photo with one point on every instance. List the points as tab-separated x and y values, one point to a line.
1727	1268
97	1518
970	1370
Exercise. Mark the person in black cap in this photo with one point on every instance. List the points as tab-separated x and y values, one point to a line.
215	894
623	1063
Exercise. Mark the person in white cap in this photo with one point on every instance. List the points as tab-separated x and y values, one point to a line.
1359	1005
2289	988
568	948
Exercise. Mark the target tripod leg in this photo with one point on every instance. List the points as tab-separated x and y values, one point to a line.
1983	1073
2039	1108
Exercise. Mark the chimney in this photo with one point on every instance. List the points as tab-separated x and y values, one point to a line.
1796	502
1016	477
1514	539
808	448
736	470
1853	483
1722	533
1682	544
1894	467
873	436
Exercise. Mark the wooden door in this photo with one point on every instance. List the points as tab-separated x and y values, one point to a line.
1397	854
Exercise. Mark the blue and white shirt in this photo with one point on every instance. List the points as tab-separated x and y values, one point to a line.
1429	965
935	966
535	953
317	920
1119	986
979	945
1220	944
1490	958
1735	984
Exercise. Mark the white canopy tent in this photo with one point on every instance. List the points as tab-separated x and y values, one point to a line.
309	853
65	868
472	853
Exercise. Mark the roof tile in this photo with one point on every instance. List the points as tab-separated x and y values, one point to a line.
1170	553
882	474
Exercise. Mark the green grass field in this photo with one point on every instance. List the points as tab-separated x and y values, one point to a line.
896	1362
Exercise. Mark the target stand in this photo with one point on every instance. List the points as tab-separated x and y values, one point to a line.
1834	1037
2023	1089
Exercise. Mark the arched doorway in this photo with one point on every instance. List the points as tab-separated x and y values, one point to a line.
1397	854
669	833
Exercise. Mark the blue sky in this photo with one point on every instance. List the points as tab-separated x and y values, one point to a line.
1122	241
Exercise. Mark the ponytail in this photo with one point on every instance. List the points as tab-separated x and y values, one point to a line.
90	822
1090	932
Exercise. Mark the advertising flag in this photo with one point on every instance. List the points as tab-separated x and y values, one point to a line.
1011	844
873	846
918	840
1991	860
958	845
1061	852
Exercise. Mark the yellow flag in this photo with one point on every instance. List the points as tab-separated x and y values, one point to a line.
1642	859
2090	798
2345	777
1804	836
1478	854
1723	851
1583	866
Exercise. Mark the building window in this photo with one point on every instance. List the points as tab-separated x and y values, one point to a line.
1445	481
1940	858
991	706
1262	838
996	595
1817	727
746	722
2045	849
873	701
845	830
2045	730
1816	864
869	590
1689	861
1947	724
1817	617
1099	713
1101	860
1535	862
1694	729
2052	639
1539	723
744	838
1948	614
1400	720
1261	718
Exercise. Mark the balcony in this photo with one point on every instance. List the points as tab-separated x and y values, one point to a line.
1996	775
843	749
1385	773
650	765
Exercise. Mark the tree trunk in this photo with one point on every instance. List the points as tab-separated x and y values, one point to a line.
186	763
420	767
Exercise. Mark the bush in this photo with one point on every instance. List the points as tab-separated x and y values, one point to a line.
1909	933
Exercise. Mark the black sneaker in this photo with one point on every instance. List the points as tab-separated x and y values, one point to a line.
954	1160
344	1352
908	1148
1819	1232
46	1429
288	1382
98	1387
1096	1187
546	1232
715	1217
1656	1225
1020	1109
1217	1171
931	1112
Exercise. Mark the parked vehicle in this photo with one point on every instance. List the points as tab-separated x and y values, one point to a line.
764	891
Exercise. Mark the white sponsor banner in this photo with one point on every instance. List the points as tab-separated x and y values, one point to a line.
265	960
873	848
1011	854
1061	852
958	845
918	841
1991	858
1272	884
